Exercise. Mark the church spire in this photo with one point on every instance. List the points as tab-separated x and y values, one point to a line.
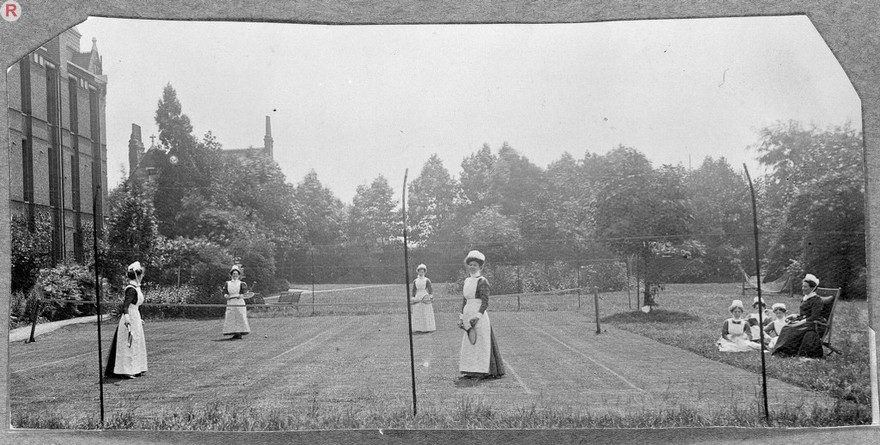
268	139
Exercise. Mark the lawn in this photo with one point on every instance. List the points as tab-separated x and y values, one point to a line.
352	371
690	317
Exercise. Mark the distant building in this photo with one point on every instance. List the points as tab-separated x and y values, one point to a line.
144	163
58	144
266	150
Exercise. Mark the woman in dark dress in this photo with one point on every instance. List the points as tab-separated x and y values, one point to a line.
128	351
802	336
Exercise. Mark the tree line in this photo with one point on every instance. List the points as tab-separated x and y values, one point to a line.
205	211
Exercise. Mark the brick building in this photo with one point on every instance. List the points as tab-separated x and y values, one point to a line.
58	148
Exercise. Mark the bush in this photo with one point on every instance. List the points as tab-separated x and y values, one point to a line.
168	295
66	281
530	277
256	253
608	277
281	284
21	307
18	306
206	295
198	262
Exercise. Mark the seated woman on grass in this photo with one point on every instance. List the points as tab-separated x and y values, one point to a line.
755	320
735	333
775	326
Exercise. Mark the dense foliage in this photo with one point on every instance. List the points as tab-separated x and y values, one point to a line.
205	211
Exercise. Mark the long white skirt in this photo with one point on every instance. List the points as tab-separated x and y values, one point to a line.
236	321
423	315
475	357
131	360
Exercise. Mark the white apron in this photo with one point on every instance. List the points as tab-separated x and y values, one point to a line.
777	326
236	321
131	359
738	341
475	357
422	313
756	329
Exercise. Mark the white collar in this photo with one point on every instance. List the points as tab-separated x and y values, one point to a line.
808	296
134	283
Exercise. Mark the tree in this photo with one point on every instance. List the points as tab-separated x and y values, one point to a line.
643	212
200	218
514	181
816	184
175	129
257	254
476	171
373	220
322	214
722	218
189	167
431	201
31	248
623	202
132	231
559	222
495	234
194	261
260	193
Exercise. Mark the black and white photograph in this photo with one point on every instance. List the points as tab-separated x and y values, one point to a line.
246	226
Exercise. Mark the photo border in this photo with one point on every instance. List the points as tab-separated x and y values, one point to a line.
850	28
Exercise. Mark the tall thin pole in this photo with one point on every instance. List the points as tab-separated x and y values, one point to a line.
312	256
760	299
628	278
638	280
98	296
412	360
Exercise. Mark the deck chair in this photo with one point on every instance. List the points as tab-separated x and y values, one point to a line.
829	297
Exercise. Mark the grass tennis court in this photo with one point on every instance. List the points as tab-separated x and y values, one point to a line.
348	370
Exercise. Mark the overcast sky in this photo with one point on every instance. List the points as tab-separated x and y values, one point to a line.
354	102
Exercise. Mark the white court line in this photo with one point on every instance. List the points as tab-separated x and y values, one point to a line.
516	376
52	363
589	358
311	339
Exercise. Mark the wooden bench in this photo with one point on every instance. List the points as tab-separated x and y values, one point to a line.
829	297
290	297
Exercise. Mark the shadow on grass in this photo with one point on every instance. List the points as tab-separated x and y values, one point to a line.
655	316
